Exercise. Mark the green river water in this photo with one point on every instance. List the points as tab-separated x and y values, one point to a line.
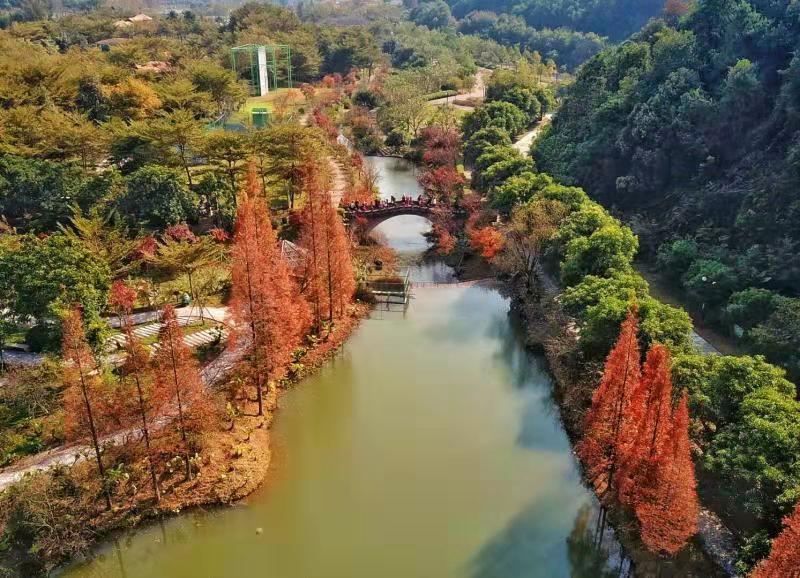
429	448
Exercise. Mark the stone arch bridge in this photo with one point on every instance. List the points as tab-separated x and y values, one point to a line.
375	215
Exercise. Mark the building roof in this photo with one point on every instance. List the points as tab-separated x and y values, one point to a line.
123	24
140	18
159	66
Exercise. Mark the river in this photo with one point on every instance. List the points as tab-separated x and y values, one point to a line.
430	448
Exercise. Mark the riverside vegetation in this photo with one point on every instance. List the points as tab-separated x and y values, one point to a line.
745	425
117	195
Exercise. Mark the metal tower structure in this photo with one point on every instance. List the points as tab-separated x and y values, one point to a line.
262	66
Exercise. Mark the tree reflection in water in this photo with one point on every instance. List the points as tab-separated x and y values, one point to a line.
586	559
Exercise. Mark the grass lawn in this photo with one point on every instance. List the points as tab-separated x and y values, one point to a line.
281	101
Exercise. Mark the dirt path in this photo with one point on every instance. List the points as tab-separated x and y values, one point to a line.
339	182
476	92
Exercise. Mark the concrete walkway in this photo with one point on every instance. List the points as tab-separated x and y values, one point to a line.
210	375
524	143
147	326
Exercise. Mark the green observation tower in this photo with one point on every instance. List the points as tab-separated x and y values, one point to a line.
266	67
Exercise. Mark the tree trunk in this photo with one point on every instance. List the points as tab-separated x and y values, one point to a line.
93	431
180	408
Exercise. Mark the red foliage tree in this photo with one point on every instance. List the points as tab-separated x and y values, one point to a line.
177	374
264	297
651	416
180	232
603	441
784	560
136	374
329	277
668	506
122	298
84	396
487	241
445	242
326	124
676	8
445	183
441	145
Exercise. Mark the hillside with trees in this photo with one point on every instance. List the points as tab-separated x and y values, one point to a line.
690	130
614	19
567	31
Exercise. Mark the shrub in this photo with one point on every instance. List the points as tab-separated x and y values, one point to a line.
608	250
750	307
675	258
710	282
43	337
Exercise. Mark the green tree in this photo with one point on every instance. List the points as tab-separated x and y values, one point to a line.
43	278
719	384
228	150
757	456
224	90
176	135
432	13
482	139
188	257
156	196
503	115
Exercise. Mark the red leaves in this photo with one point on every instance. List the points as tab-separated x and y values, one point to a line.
638	447
668	511
609	415
146	249
487	241
180	232
122	297
84	395
177	377
219	235
326	124
441	145
650	421
444	183
445	242
784	560
329	278
264	297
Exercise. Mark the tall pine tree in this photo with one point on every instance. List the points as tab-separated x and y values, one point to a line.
651	413
137	377
668	507
329	278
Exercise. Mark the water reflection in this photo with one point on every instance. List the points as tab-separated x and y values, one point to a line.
430	448
396	177
404	233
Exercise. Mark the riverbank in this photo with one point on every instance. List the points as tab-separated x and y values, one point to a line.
550	330
233	460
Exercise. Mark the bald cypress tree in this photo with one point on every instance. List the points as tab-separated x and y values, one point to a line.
784	559
602	446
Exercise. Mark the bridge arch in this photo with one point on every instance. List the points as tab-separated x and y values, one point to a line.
376	216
